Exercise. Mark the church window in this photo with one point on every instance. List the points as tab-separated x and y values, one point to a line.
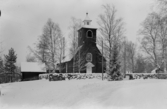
89	34
89	57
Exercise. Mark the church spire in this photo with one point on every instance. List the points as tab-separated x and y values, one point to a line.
87	20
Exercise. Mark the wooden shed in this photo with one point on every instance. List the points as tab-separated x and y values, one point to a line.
31	70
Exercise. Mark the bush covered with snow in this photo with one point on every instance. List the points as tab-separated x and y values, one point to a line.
86	76
150	76
70	76
161	76
76	76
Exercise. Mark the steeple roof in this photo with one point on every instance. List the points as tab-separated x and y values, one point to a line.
87	20
87	17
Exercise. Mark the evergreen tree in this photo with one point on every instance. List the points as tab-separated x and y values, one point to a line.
10	59
115	65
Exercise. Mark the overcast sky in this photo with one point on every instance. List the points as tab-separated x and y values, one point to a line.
22	21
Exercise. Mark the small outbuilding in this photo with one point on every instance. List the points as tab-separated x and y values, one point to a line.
31	70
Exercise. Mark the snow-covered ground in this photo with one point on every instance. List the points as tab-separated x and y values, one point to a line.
84	94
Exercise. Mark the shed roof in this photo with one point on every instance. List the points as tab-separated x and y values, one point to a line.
33	67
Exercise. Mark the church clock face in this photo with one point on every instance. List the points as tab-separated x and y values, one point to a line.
89	57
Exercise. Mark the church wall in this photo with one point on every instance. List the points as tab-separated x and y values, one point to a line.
83	37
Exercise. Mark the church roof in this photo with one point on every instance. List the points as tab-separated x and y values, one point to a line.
67	58
88	26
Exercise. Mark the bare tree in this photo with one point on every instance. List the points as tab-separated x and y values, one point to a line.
162	23
162	5
48	46
61	52
130	53
158	22
79	64
41	50
150	31
140	65
74	26
111	29
80	60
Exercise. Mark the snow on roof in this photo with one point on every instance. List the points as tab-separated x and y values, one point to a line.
88	26
68	58
78	49
33	67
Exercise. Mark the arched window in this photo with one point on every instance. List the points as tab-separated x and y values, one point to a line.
89	34
89	57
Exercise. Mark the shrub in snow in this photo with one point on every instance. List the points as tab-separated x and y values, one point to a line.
43	76
161	76
150	76
85	76
70	76
56	77
129	77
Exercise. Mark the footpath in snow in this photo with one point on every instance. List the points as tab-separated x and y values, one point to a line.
84	94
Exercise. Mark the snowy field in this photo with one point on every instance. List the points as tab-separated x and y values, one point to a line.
85	94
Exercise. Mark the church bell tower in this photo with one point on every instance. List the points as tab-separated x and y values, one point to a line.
87	58
87	34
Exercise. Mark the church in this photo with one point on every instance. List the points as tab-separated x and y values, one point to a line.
88	57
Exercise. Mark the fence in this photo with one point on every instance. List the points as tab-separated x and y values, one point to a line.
9	77
149	75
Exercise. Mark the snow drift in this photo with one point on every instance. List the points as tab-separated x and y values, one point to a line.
85	94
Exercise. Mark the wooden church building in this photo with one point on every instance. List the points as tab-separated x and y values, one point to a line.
87	54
